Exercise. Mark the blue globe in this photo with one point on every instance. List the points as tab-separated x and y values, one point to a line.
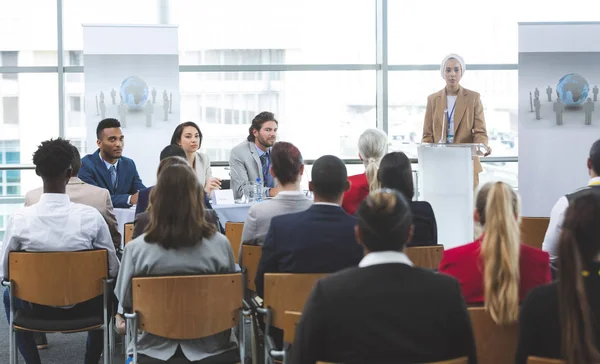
134	91
573	89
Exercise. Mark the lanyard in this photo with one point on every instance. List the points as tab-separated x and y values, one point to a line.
449	116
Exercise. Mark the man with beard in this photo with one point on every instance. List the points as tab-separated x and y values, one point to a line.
251	159
107	168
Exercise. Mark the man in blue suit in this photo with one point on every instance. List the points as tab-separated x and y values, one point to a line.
107	168
318	240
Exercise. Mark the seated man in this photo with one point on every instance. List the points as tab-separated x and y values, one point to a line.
57	224
251	159
385	310
318	240
107	168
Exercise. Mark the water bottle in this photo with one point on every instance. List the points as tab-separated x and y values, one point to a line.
258	190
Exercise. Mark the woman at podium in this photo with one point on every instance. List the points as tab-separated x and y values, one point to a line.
455	114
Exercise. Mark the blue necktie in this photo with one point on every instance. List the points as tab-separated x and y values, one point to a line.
264	161
113	176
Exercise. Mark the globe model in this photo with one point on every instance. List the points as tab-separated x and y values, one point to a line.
134	91
573	89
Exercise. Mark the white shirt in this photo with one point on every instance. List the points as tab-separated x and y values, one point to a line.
450	104
57	224
385	257
290	193
328	204
557	217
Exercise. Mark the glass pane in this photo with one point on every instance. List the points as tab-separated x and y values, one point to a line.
407	107
274	32
320	120
6	209
423	32
505	172
28	35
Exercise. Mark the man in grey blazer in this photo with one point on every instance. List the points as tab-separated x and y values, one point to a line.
85	194
251	158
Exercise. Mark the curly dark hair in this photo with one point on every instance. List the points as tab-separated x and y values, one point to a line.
53	157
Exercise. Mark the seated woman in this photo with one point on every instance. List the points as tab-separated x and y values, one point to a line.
395	172
372	146
561	320
178	241
497	269
287	167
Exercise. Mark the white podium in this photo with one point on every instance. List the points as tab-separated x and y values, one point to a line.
446	182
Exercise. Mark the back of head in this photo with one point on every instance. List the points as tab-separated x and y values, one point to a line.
395	172
171	161
595	157
172	150
287	162
106	124
498	208
372	146
258	121
53	158
384	221
76	163
329	178
174	225
579	247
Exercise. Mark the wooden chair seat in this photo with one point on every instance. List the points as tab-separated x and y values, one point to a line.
537	360
250	258
425	256
496	344
128	233
533	230
233	232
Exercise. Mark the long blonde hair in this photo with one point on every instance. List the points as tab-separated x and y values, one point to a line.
372	146
498	208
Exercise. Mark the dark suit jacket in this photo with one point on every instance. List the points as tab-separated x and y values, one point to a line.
464	263
539	320
318	240
94	171
385	313
425	226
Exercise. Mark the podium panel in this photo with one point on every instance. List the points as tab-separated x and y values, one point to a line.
446	182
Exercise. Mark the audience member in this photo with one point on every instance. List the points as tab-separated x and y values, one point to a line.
395	172
287	167
251	159
318	240
385	310
178	241
557	215
189	137
56	224
372	146
107	168
561	320
496	269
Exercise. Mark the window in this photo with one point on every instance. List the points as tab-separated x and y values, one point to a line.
10	109
10	180
75	58
75	103
10	59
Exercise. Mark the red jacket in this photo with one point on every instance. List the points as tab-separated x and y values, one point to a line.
359	190
464	263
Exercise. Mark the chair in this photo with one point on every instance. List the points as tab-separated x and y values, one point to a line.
533	230
233	231
250	258
283	292
190	307
128	227
289	325
496	344
425	256
536	360
463	360
76	277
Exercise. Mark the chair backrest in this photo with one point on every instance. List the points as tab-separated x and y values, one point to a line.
58	278
187	307
425	256
496	344
536	360
233	231
533	230
287	292
289	325
250	257
463	360
128	227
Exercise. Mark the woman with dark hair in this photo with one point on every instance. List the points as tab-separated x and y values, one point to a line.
189	137
562	320
395	172
178	241
287	166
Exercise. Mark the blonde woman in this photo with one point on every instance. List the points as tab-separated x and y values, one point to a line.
497	269
372	146
455	114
